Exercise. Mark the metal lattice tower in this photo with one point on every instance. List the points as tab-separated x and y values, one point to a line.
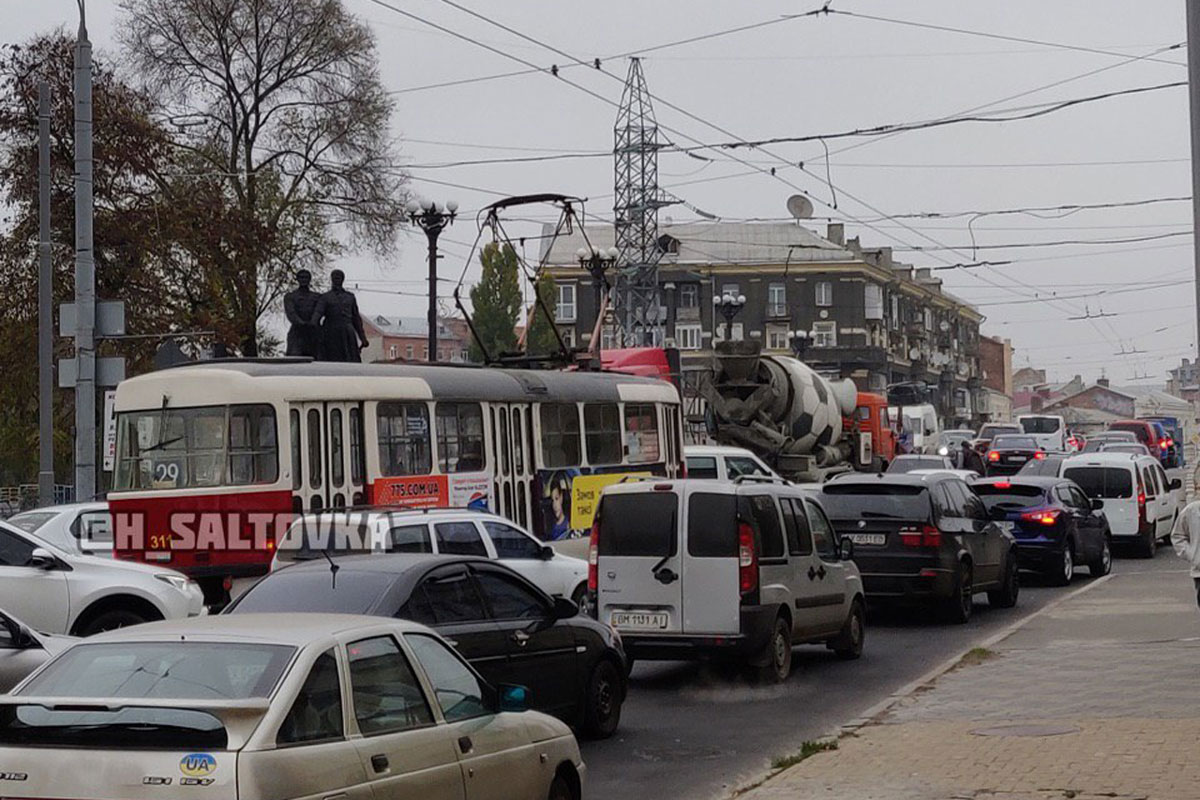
635	212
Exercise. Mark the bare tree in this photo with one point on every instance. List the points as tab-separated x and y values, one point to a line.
281	100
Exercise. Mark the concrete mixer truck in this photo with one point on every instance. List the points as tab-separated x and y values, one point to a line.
805	426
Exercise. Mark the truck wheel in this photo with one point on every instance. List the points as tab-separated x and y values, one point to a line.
849	642
775	662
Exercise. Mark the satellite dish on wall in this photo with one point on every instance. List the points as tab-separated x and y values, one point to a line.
800	206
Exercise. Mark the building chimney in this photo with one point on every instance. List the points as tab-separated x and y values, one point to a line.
1036	404
836	233
1102	382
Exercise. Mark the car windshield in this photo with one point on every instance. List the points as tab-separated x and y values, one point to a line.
905	464
174	670
1103	482
1008	495
1040	425
1014	443
302	589
875	500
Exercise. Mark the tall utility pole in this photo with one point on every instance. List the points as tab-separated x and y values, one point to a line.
1193	39
85	273
635	211
45	307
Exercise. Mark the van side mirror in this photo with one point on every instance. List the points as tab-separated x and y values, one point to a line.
845	549
1097	504
1175	484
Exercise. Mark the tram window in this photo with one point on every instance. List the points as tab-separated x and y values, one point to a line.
641	433
518	444
460	437
297	467
314	448
356	447
253	455
337	453
172	448
602	427
560	435
403	439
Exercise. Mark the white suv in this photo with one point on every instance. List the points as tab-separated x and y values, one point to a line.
741	570
56	591
455	531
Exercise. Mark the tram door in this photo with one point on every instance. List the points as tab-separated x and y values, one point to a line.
328	464
512	462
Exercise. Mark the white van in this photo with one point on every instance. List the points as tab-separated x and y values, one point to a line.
921	422
1048	430
1136	495
723	463
740	570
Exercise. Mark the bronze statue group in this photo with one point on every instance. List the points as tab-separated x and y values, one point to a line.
324	327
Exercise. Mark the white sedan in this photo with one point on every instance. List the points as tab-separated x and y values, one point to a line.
264	706
57	591
84	528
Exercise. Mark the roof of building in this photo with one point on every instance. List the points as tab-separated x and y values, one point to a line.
406	326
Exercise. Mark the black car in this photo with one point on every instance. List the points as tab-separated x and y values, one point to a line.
914	461
983	441
1055	524
1049	467
1008	453
510	631
924	538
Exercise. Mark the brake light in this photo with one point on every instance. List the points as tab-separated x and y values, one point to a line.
1002	485
1141	500
1039	455
926	536
747	559
594	557
993	455
1164	444
1049	517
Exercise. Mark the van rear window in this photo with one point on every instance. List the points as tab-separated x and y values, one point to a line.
638	524
712	526
1138	429
1040	424
1102	482
875	501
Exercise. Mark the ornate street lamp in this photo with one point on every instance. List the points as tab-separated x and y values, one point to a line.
800	341
431	217
597	262
729	305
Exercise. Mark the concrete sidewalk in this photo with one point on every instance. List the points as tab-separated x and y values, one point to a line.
1098	697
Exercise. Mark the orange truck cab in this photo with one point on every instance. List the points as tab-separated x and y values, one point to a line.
871	416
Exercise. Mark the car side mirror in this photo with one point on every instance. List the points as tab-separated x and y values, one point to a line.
20	637
513	698
997	514
845	549
546	553
1097	504
1175	484
564	608
42	559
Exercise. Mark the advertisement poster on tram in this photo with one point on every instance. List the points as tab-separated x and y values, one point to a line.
434	491
569	496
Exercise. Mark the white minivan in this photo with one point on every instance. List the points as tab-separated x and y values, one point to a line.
735	570
1136	495
1048	430
723	463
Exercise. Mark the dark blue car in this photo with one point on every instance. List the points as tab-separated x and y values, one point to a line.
1055	524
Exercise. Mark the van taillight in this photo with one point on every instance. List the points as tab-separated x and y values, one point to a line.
747	559
925	536
594	558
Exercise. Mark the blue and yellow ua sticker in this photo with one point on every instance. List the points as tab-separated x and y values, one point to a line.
197	765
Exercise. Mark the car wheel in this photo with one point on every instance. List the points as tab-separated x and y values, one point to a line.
1064	566
579	598
560	789
775	663
602	704
110	620
1103	563
958	607
1006	596
849	643
1148	547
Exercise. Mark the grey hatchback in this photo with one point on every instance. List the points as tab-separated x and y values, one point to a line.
924	538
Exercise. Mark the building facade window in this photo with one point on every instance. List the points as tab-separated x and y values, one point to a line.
689	295
393	352
777	338
738	332
873	301
824	334
777	300
408	351
895	309
824	294
730	288
564	310
687	337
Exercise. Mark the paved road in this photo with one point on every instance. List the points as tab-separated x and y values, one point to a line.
691	732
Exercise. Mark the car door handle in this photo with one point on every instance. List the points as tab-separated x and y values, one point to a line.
521	638
465	745
379	763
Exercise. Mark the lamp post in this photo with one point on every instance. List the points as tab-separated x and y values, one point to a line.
432	218
729	305
597	262
800	340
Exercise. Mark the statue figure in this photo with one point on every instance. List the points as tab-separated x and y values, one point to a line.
303	337
341	325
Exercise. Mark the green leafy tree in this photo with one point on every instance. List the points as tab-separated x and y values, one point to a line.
496	301
540	340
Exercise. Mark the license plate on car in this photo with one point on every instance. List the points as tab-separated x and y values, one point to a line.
1018	459
638	620
868	538
1005	526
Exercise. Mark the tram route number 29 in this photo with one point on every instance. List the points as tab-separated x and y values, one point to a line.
165	473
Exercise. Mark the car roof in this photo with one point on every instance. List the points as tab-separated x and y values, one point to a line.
708	484
392	563
1109	459
914	456
95	505
716	450
907	478
1045	481
294	628
403	512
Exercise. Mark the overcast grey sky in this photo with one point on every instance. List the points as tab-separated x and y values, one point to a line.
823	75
